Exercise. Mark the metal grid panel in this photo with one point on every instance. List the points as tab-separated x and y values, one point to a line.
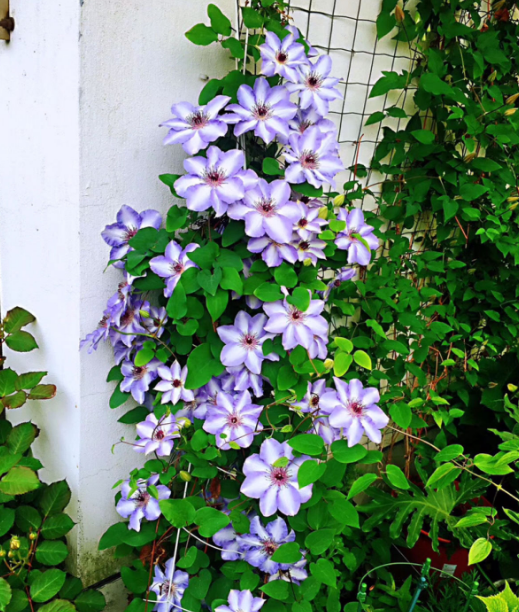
346	30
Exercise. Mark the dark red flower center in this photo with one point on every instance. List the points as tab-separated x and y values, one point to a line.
214	177
304	246
130	233
127	317
177	267
177	383
279	476
314	402
266	207
303	222
296	316
270	547
310	160
142	498
139	372
261	111
356	408
249	341
282	57
198	120
314	81
159	434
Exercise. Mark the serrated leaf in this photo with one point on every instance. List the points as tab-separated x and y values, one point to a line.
16	318
19	480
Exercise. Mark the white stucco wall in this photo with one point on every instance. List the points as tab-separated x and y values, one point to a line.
85	86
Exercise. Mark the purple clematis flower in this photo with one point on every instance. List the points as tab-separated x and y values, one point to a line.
308	118
139	504
129	222
310	249
130	323
312	157
318	348
120	301
319	398
344	274
357	412
316	88
172	384
244	379
196	126
101	333
137	379
312	52
244	341
123	352
310	223
235	417
241	601
157	436
282	57
266	209
264	109
273	253
296	573
156	321
262	542
297	327
215	181
173	264
347	241
207	395
169	587
227	539
277	488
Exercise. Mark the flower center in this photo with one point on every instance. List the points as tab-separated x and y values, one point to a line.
142	498
261	111
282	57
159	434
249	341
314	80
177	267
303	222
139	372
310	160
177	383
214	177
103	322
305	199
266	207
304	246
279	476
337	283
295	316
270	547
303	126
233	420
168	589
128	317
198	120
356	408
130	233
314	402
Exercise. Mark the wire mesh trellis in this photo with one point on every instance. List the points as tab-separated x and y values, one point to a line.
346	30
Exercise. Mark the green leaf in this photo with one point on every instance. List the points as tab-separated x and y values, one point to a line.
449	453
57	526
300	298
46	585
6	519
424	136
479	550
19	601
232	280
344	512
385	23
21	438
176	217
434	85
55	498
271	167
401	414
8	379
16	318
232	233
277	589
179	512
136	415
205	256
209	282
345	454
308	190
344	344
217	304
24	381
28	518
396	477
51	552
177	303
287	553
90	601
307	444
201	367
285	275
287	378
21	341
341	364
450	208
324	571
113	536
362	359
7	461
210	520
361	484
58	605
42	392
268	292
319	541
219	22
118	397
310	472
5	593
19	480
251	18
375	118
201	35
235	47
440	473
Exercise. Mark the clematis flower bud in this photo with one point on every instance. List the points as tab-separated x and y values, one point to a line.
338	200
186	476
510	112
399	14
512	99
328	364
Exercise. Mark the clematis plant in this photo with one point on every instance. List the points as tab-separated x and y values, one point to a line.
227	330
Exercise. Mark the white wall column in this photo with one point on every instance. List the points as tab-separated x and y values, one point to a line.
85	85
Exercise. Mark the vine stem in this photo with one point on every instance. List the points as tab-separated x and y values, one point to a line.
458	465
